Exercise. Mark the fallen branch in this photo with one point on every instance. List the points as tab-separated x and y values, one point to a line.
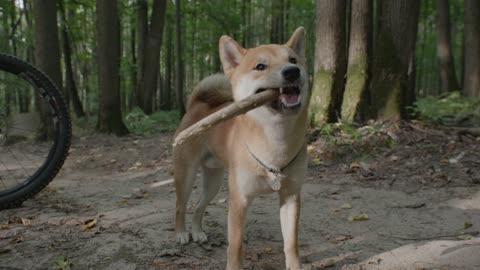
226	113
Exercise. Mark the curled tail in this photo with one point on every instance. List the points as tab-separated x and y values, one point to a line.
214	90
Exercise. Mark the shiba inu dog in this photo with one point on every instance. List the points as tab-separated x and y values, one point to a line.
263	150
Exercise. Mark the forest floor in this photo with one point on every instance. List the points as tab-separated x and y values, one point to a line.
110	208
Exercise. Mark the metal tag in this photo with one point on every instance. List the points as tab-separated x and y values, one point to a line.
275	180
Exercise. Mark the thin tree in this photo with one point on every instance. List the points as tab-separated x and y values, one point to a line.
358	59
471	82
448	78
151	62
394	51
70	84
178	65
108	54
330	60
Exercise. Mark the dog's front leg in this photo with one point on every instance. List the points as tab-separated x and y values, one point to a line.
237	211
289	215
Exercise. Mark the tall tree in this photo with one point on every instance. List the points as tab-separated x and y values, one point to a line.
178	62
330	60
277	32
141	35
448	78
70	84
358	59
108	54
148	80
167	89
47	54
47	47
471	84
394	51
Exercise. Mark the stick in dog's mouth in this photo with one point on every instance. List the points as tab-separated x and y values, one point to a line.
289	97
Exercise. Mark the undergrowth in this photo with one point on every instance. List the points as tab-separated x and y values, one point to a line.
141	124
436	109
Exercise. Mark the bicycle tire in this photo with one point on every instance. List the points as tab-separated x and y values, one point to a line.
15	196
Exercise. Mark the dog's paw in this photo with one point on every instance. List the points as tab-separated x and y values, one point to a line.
199	237
183	238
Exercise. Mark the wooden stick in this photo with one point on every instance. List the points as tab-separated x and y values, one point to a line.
226	113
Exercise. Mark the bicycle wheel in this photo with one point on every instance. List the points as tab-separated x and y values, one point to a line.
35	131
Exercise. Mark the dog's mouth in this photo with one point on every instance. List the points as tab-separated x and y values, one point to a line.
289	98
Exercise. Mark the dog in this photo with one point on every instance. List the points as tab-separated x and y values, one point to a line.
264	150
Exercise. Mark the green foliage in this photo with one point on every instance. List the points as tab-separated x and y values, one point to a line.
435	108
61	263
140	123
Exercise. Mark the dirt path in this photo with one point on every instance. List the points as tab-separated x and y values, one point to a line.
425	188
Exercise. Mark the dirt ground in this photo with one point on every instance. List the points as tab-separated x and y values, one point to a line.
110	209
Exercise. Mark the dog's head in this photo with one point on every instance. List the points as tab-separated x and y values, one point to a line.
279	67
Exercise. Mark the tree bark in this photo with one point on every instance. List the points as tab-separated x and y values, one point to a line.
277	31
358	60
394	51
179	67
167	89
141	35
70	84
47	47
330	61
47	55
108	54
471	84
151	63
448	78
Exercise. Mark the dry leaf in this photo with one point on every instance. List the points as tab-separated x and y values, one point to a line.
346	206
267	250
26	222
358	217
89	224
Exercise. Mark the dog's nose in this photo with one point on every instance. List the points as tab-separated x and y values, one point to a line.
291	74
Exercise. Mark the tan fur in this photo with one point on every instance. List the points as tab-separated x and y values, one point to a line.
275	138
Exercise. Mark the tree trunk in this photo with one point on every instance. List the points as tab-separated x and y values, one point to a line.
142	32
151	64
276	32
179	67
394	50
47	55
448	79
71	86
108	54
471	84
358	59
167	89
330	61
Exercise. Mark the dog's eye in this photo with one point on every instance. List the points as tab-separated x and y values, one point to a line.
260	67
292	60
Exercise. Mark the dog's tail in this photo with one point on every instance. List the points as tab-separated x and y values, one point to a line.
215	90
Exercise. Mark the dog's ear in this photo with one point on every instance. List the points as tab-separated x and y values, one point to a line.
297	42
231	53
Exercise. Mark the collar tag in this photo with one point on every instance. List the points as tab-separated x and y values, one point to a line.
275	180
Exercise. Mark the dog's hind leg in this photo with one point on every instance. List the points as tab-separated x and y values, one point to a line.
212	181
185	170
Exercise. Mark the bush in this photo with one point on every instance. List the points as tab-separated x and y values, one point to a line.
454	104
140	123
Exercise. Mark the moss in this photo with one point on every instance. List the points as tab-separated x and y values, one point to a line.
321	99
357	77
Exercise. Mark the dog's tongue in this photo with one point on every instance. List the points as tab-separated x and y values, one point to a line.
289	100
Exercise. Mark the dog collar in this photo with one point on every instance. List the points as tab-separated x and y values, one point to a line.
275	175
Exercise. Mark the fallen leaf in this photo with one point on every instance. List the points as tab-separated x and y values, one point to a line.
465	237
358	217
467	224
355	165
89	224
346	206
162	183
267	250
26	222
315	161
